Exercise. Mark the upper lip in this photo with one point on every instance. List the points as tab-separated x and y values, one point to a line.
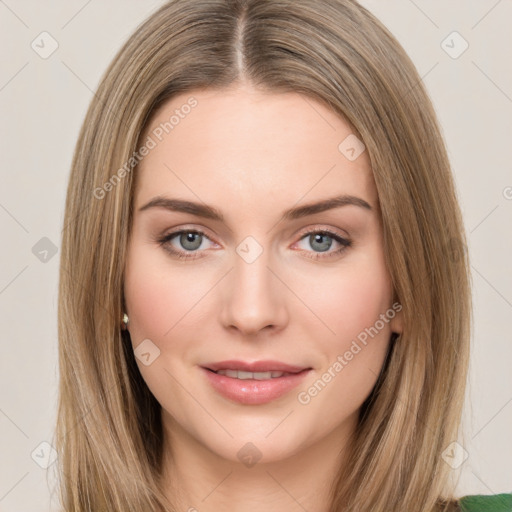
255	366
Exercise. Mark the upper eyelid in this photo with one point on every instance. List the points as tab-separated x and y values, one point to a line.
185	229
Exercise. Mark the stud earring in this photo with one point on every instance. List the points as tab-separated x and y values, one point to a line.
124	322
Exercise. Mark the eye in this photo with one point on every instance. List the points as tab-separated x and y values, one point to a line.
322	241
185	243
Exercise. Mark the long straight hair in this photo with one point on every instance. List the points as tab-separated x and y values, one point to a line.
109	432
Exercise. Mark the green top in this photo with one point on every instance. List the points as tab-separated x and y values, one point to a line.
483	503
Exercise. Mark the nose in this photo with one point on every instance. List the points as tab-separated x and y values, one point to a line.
254	298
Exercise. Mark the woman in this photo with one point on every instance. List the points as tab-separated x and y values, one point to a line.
264	294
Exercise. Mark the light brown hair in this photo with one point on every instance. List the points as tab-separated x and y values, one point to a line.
109	433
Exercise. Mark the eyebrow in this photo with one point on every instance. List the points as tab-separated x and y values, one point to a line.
209	212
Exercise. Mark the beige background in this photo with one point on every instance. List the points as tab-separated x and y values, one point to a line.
43	102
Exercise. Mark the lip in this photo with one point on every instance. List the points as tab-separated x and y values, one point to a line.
252	391
255	366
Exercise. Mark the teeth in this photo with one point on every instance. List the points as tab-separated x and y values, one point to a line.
239	374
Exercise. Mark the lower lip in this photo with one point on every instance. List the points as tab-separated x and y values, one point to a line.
252	391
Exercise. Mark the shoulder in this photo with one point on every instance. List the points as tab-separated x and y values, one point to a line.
486	503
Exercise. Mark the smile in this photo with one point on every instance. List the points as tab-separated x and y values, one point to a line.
253	388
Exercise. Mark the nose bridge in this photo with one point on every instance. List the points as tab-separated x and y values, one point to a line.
254	300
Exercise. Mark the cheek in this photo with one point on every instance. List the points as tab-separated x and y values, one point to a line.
354	355
353	300
160	304
147	299
158	300
359	305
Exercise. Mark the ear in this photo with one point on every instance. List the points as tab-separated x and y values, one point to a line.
396	323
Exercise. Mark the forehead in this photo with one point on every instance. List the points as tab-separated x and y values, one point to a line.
257	146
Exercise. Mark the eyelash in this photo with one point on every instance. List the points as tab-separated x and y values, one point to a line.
345	244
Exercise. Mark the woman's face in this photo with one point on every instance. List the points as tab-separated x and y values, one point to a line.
256	284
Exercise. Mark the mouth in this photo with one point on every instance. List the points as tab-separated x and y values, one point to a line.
255	367
254	383
243	375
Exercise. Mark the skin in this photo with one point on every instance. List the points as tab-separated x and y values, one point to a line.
253	155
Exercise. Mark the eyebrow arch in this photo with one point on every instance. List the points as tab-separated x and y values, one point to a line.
208	212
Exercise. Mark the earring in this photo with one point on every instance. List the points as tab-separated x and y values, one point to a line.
124	322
